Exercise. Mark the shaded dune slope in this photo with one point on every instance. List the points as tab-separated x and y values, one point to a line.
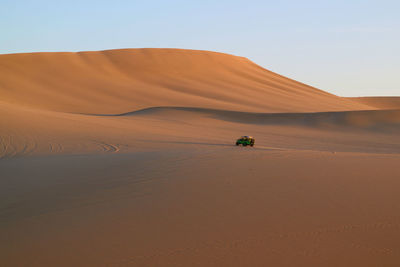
117	81
356	119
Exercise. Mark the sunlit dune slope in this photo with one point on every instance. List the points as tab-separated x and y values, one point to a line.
381	102
117	81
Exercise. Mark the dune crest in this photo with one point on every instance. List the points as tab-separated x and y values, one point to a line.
118	81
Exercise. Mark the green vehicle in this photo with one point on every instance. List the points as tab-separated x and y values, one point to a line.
245	141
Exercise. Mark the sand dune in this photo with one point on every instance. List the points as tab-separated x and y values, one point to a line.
127	158
117	81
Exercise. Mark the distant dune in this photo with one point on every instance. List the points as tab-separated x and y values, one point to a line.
117	81
381	102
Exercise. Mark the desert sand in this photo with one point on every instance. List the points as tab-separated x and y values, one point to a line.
127	158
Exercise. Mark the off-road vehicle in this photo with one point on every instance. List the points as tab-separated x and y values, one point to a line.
245	141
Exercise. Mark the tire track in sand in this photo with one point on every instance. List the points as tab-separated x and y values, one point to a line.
107	147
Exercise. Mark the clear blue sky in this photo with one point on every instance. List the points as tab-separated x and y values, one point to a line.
350	48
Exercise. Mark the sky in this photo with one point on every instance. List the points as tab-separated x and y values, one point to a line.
349	48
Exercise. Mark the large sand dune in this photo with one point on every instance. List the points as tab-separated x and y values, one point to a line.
117	81
127	158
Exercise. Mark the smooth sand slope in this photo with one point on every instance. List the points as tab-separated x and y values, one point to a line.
118	81
127	158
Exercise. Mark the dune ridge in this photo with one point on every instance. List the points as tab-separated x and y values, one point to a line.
359	118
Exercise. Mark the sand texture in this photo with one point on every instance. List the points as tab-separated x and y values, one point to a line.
127	158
